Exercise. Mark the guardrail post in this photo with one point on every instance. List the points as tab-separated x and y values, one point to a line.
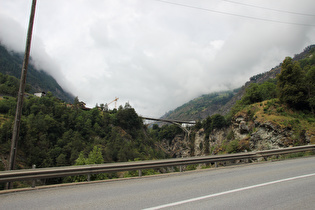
216	164
180	168
34	180
89	177
140	172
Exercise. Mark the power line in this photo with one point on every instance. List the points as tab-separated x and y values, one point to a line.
271	9
233	14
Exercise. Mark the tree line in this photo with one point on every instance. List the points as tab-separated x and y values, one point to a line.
54	133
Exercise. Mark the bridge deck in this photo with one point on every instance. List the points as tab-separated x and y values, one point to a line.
170	121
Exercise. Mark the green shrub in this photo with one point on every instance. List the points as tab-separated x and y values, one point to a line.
233	146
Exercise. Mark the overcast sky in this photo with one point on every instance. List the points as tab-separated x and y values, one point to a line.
157	54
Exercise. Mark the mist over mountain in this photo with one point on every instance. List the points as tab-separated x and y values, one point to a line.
222	102
39	80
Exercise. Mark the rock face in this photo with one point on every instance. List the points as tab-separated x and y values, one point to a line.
250	133
199	143
177	148
266	135
269	136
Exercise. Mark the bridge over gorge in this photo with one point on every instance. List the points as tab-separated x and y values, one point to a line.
181	123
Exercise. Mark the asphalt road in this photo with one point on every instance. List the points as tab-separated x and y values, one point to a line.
288	184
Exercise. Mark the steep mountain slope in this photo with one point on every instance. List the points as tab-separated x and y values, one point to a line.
201	107
222	102
40	81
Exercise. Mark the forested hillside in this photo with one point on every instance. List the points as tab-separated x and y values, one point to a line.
39	81
54	133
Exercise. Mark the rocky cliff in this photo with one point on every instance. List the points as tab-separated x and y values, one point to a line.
261	126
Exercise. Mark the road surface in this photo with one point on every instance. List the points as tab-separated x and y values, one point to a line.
288	184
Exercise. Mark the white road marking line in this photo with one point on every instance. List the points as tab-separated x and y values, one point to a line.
229	191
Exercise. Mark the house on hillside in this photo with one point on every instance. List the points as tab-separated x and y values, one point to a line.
40	94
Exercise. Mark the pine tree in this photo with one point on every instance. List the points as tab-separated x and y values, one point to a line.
95	156
291	85
81	159
310	83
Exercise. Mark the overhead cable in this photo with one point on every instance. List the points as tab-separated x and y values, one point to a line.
271	9
233	14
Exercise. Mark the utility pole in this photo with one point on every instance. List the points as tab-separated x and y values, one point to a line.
18	113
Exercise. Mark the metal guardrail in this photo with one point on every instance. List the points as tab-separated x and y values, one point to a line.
44	173
288	150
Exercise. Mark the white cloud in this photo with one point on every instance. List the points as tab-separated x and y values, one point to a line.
155	55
